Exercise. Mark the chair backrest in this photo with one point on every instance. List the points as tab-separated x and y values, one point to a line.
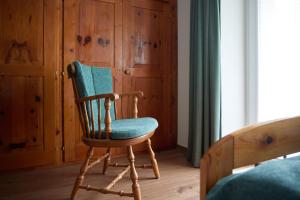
90	81
249	146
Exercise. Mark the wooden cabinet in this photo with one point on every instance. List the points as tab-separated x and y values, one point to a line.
137	39
93	35
148	62
28	62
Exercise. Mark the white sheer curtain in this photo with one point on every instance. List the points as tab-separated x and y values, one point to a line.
278	59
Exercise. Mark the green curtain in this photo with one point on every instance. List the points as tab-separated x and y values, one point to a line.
205	78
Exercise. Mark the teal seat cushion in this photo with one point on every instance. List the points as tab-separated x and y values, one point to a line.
130	128
273	180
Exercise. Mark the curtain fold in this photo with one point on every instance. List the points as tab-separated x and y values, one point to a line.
205	78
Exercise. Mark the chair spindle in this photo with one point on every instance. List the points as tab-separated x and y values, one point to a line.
81	118
99	119
92	119
135	109
86	118
107	105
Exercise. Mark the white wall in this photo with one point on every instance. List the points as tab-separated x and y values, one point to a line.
233	59
183	71
233	66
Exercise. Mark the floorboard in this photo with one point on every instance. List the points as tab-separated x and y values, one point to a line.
179	181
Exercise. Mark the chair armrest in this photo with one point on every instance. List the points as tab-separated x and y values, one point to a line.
89	118
135	93
135	96
111	96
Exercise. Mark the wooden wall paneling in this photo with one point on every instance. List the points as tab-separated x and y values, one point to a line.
22	44
135	39
142	51
59	74
21	114
92	35
174	72
69	54
28	56
147	63
168	132
51	51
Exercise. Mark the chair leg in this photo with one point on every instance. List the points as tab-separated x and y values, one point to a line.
133	175
82	173
106	161
153	160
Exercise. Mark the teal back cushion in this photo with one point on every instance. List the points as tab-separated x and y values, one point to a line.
92	81
273	180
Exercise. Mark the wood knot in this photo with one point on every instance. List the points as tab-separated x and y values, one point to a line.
79	39
87	40
37	98
268	140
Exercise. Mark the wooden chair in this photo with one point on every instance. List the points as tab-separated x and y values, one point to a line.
93	92
248	146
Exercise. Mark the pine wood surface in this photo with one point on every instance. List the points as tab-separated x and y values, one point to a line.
178	181
30	132
137	39
249	146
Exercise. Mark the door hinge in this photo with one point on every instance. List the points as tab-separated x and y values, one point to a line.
63	148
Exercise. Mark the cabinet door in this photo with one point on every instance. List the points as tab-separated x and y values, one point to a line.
28	62
148	63
92	35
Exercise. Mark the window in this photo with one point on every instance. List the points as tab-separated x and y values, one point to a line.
278	59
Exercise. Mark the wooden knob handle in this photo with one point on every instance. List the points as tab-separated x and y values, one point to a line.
127	71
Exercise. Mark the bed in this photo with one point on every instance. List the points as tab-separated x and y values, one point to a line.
273	179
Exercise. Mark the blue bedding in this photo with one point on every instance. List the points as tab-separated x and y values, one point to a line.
273	180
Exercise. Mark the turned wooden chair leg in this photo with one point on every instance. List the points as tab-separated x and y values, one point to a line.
82	173
106	161
133	175
153	160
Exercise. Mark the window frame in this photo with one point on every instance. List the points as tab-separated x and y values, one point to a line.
251	61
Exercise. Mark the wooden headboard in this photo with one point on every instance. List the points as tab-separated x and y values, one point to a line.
248	146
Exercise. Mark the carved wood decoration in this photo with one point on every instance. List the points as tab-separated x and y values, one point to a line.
28	48
18	53
21	38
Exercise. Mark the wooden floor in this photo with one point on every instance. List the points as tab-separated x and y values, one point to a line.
179	181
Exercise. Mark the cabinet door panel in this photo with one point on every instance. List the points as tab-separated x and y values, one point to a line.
94	39
146	37
134	38
21	107
28	48
147	32
22	40
96	27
